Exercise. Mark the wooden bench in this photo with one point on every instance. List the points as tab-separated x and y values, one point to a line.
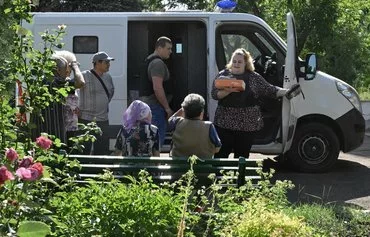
168	168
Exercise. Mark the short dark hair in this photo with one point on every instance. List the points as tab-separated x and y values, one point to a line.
161	41
193	105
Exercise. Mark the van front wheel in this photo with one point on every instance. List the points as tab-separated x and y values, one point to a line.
315	148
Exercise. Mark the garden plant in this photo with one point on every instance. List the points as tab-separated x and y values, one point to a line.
39	195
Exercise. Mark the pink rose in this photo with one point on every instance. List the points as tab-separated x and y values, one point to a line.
30	173
26	162
23	173
38	166
43	142
35	174
5	175
11	154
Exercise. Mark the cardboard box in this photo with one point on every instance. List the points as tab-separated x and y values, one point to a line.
231	83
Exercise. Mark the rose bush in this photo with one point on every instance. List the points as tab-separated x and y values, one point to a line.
5	175
43	142
11	154
24	187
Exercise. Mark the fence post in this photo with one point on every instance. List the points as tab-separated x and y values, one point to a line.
241	171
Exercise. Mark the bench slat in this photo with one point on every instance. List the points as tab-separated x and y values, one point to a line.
167	168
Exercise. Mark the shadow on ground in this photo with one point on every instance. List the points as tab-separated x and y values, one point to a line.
347	182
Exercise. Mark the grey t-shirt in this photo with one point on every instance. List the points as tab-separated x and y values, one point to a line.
94	102
157	68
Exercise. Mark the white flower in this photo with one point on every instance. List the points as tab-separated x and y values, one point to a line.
62	27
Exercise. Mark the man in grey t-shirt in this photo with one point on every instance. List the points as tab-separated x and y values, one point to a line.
154	89
94	100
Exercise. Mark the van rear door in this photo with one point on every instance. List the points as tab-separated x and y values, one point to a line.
289	118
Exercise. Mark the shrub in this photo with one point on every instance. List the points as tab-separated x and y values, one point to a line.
139	208
259	219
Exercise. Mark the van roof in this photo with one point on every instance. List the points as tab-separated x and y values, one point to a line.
89	18
136	15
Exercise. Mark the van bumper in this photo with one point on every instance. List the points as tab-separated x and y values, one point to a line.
352	125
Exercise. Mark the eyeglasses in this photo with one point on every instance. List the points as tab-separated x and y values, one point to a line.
106	61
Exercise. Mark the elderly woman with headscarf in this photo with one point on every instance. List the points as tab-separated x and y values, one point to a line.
137	137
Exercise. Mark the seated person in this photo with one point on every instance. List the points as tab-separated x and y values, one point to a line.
137	137
191	135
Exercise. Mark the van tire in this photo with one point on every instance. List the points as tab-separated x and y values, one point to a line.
315	148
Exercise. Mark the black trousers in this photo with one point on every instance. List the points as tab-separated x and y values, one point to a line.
101	145
234	141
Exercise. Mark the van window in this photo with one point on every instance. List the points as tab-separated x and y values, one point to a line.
253	38
233	41
85	44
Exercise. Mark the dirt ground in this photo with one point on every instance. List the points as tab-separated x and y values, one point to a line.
348	182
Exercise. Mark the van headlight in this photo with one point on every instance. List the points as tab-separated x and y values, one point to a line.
350	94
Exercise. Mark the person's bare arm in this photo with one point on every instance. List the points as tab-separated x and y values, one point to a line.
160	94
226	91
178	113
79	79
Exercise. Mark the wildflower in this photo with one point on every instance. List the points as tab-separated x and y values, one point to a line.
62	27
43	142
26	162
5	175
11	154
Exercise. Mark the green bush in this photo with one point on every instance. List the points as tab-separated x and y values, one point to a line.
139	208
259	219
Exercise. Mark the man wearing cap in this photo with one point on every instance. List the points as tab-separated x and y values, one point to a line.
94	100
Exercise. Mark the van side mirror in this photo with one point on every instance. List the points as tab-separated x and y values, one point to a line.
311	66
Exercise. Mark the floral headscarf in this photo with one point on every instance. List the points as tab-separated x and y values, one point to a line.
138	111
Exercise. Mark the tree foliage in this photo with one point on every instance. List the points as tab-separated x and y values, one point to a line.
338	31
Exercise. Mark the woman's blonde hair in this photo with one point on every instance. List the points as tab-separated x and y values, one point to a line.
247	58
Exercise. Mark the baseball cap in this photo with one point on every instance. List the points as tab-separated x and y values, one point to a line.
101	56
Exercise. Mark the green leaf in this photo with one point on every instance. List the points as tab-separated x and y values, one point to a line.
49	180
57	142
33	229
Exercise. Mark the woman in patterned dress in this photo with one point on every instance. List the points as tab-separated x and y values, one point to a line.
238	115
137	137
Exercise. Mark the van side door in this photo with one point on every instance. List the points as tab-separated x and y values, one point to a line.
289	117
264	48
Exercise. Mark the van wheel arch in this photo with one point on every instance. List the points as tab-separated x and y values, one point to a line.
315	147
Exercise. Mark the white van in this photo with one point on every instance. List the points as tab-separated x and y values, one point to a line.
309	130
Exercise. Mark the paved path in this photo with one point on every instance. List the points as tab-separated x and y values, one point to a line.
348	181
